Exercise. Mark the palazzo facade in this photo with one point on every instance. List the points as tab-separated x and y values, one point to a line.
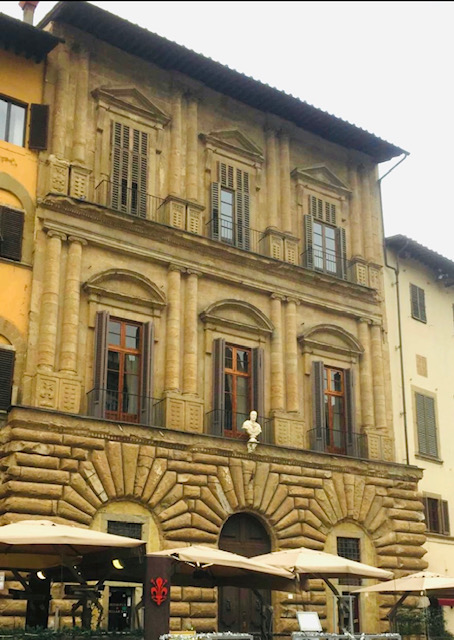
204	246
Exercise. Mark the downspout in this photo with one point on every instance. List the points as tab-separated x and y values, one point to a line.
399	322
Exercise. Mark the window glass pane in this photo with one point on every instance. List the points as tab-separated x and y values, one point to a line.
228	358
131	364
114	332
16	125
3	112
128	529
337	410
336	381
228	401
242	400
130	388
113	361
132	336
242	361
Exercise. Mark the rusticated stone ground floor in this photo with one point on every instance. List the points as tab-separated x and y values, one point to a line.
183	487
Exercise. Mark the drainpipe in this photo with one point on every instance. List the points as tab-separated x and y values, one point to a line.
399	322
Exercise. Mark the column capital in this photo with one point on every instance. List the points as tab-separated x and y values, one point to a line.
51	233
81	241
194	272
362	320
277	296
176	267
290	299
376	323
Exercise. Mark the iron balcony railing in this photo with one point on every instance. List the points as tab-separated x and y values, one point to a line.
131	200
123	406
219	422
339	442
328	262
236	235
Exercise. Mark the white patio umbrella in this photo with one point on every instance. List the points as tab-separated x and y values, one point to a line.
422	582
40	544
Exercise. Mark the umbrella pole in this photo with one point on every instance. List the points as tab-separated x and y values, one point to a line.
392	612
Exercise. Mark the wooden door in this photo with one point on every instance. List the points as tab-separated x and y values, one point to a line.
244	610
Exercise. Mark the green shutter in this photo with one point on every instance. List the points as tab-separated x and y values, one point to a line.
11	232
242	210
308	253
426	425
418	303
39	119
6	377
215	209
318	407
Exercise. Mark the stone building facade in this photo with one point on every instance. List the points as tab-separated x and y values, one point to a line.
206	246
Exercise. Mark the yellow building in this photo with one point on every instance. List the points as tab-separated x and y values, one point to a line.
420	306
205	246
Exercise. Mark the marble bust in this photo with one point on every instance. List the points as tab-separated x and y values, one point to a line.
253	429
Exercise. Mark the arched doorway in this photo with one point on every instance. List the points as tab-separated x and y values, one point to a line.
244	610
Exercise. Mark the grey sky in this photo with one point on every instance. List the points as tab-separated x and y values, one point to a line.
384	66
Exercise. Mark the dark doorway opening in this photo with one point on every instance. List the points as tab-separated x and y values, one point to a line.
245	610
120	608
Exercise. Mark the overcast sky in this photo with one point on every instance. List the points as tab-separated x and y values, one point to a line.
384	66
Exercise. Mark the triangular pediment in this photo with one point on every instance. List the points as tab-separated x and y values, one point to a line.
321	175
131	100
234	141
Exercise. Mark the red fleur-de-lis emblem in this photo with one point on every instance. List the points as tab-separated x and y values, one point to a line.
159	590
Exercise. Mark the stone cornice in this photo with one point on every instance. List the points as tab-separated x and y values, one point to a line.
235	144
321	176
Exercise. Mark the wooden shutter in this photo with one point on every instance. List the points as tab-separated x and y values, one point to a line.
11	232
6	377
146	409
444	517
350	414
258	389
425	502
418	303
139	173
218	419
226	175
98	403
39	118
318	407
330	213
308	253
215	209
316	208
242	210
341	248
116	166
426	425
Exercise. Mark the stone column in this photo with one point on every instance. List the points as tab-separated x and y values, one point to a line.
60	105
175	148
172	364
291	355
47	340
190	335
366	217
191	150
355	221
367	399
80	112
284	160
71	309
277	361
271	173
377	373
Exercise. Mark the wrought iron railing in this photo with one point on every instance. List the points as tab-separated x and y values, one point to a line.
123	406
339	442
219	422
328	262
236	235
119	197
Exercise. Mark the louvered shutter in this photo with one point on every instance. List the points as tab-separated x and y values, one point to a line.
11	231
418	303
215	209
350	414
422	305
426	425
6	377
98	404
39	118
425	502
316	208
318	406
258	390
330	213
218	419
242	210
341	247
139	173
116	166
445	517
226	175
308	253
146	409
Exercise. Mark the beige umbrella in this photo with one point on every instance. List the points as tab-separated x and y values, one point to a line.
197	564
321	564
423	582
40	544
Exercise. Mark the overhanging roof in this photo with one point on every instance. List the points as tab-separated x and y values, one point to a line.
169	55
443	267
24	39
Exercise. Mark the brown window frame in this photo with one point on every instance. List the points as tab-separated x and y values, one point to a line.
436	512
332	393
234	430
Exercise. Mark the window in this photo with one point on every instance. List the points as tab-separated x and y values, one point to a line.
349	548
325	248
436	514
12	122
127	529
11	229
418	303
426	425
333	411
123	370
129	170
6	377
238	388
230	207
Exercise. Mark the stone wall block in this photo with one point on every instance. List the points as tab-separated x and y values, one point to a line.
338	483
286	469
79	454
290	532
180	522
313	533
226	482
380	482
211	502
271	486
288	520
173	511
30	460
368	498
175	495
83	442
41	438
88	472
204	510
66	510
196	594
375	508
349	482
192	479
236	473
248	481
144	464
194	536
301	503
173	454
199	522
405	494
325	503
179	609
387	539
410	505
73	498
69	465
276	501
185	467
286	507
410	538
104	472
404	550
311	518
416	516
164	487
409	564
360	486
33	489
409	527
114	454
202	624
301	492
261	478
203	610
30	506
377	523
33	474
319	512
157	470
85	491
208	458
191	492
